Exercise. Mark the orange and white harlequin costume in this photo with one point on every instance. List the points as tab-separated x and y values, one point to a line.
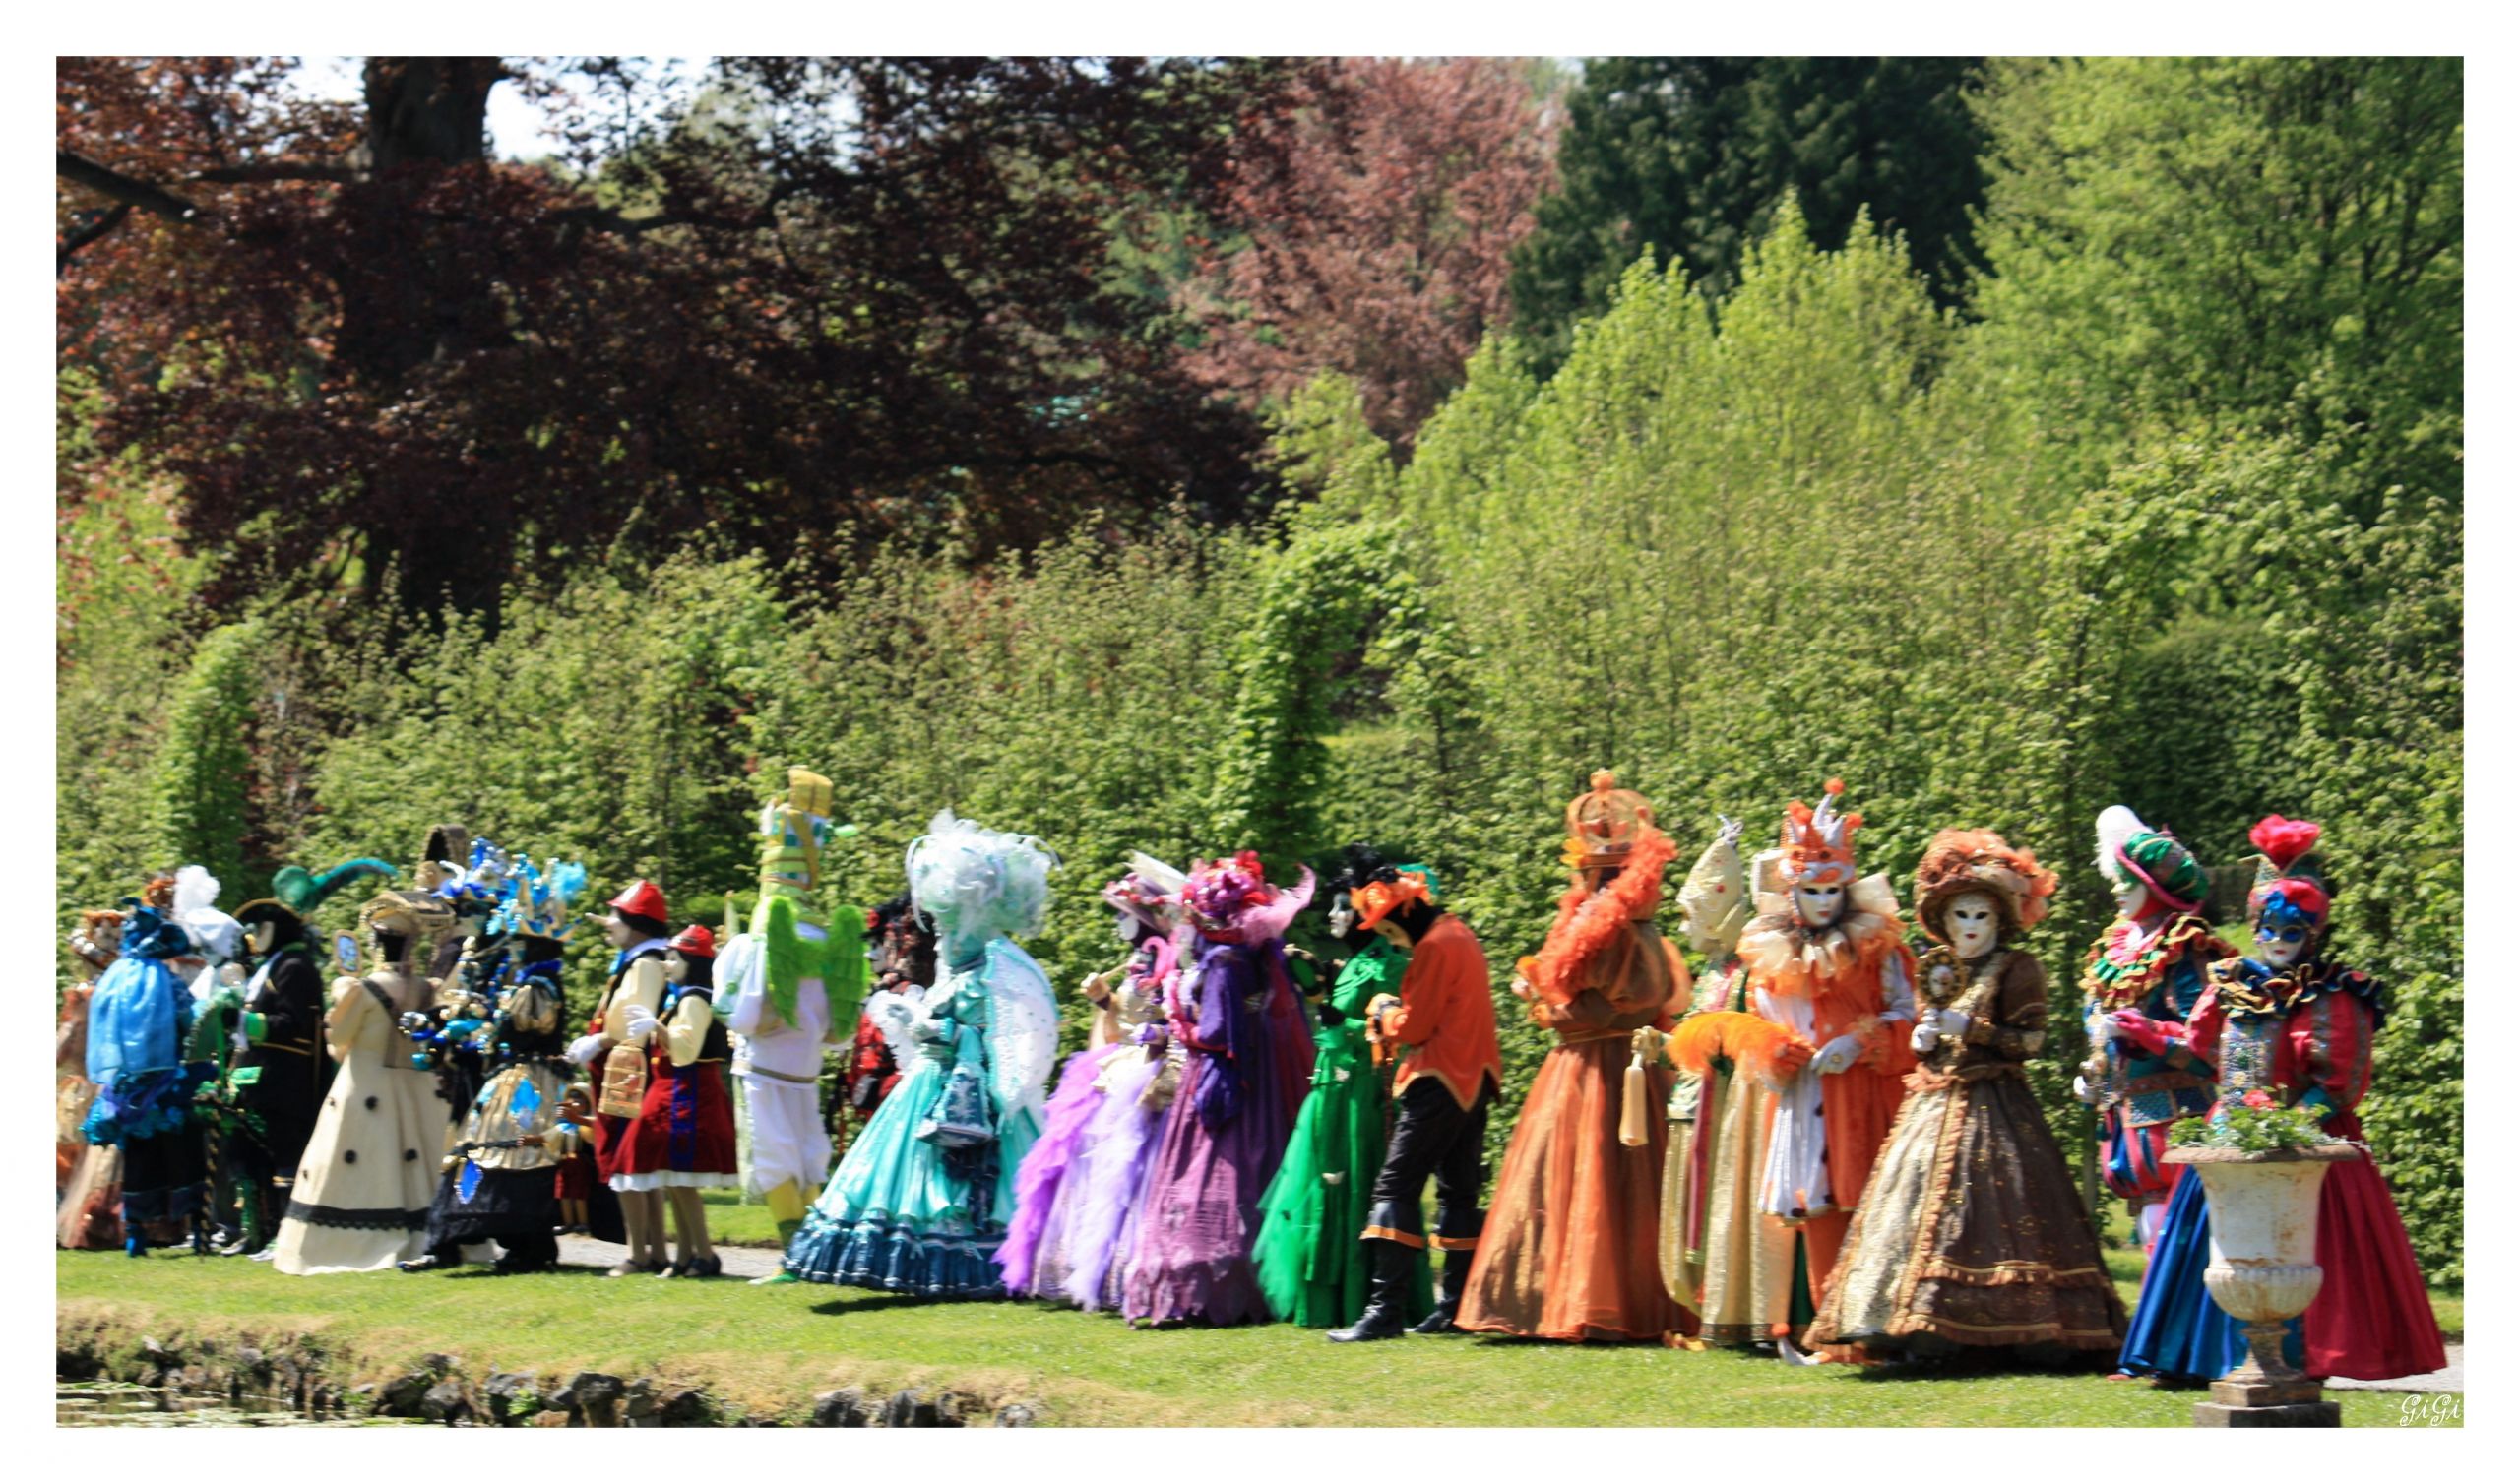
1842	994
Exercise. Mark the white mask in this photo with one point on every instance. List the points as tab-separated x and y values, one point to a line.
2131	895
2281	947
1343	916
1970	923
1819	904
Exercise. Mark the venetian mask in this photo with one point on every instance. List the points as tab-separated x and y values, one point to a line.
1343	916
1819	902
621	934
2280	947
677	967
262	934
2132	895
1971	924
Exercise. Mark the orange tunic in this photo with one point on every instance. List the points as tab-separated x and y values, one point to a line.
1446	1018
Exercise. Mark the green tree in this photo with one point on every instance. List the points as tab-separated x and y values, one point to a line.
1690	155
203	765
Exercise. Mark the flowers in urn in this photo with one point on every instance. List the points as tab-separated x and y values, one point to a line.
2258	1124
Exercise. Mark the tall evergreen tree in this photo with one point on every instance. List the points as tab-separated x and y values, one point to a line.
1690	155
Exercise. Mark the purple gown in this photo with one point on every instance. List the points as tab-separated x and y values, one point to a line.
1222	1141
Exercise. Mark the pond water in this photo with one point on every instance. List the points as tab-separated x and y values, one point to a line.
120	1404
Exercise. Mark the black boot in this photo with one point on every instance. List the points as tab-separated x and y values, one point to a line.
1449	1287
1381	1319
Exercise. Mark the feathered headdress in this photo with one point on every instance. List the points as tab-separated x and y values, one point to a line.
1230	900
1958	861
297	891
2291	889
1378	899
1820	843
539	898
2132	851
1147	892
973	881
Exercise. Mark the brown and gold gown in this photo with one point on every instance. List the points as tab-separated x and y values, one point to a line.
1971	1233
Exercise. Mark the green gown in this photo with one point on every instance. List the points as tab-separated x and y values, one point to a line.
1311	1253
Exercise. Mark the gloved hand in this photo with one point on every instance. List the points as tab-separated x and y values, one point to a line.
1922	1039
1377	1006
1647	1042
256	1026
585	1049
642	1022
1790	1061
1838	1055
2130	1026
1946	1021
2084	1089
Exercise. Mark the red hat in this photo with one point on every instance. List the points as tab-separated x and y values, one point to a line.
695	942
641	899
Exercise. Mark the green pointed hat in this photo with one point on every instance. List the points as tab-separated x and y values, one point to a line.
297	891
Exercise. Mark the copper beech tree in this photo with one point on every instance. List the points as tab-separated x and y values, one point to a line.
1365	228
807	300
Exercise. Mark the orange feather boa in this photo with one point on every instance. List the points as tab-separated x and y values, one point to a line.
1587	920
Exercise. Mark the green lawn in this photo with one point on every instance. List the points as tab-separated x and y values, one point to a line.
771	1349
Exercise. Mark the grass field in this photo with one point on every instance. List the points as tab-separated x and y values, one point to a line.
771	1349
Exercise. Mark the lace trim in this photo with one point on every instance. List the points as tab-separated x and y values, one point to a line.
2115	986
359	1218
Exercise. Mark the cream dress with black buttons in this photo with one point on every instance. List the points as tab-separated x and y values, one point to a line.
364	1183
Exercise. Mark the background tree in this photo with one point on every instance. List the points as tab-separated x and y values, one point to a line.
1691	155
820	294
1368	224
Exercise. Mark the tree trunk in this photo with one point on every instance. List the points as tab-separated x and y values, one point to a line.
413	306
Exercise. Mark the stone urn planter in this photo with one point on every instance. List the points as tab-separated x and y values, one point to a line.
2262	1214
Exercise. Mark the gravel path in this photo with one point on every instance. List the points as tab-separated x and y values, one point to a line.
741	1262
2450	1378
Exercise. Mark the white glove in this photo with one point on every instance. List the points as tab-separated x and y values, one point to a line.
641	1021
585	1049
1946	1021
2085	1090
1837	1056
1920	1040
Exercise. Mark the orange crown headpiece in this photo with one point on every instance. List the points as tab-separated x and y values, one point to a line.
1820	843
1605	824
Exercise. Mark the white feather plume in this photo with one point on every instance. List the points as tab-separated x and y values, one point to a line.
2116	825
195	890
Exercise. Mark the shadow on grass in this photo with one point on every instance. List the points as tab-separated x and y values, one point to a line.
870	1301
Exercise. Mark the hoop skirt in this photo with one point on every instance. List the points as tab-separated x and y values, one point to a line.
363	1190
910	1215
1221	1140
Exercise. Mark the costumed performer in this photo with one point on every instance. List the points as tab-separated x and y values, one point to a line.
1313	1270
1971	1233
1568	1252
1721	1259
920	1202
361	1199
2152	959
1224	1134
616	1056
282	1071
683	1139
87	1188
1442	1018
1828	969
1075	1189
2287	1025
497	1183
793	983
138	1023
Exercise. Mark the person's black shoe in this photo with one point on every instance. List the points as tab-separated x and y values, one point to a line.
428	1262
